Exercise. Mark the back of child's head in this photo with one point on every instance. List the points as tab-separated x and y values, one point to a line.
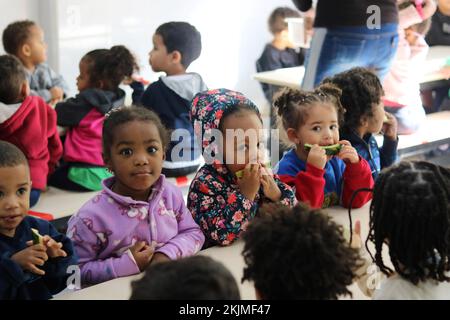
292	105
361	89
109	67
410	213
123	115
182	37
193	278
15	35
13	76
277	19
297	253
11	156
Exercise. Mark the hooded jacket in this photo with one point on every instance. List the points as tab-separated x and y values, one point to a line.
84	115
170	97
31	126
214	199
107	226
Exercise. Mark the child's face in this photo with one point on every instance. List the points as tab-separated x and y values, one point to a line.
375	123
38	47
320	127
15	188
136	158
159	57
83	79
444	6
241	148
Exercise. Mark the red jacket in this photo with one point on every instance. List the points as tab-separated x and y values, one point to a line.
32	128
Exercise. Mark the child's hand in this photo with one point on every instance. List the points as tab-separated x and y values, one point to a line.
390	127
57	95
251	181
159	257
53	248
356	237
142	254
348	153
31	257
317	157
270	187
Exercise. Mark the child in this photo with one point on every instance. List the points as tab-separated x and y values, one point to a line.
27	270
175	46
221	203
25	40
319	179
298	253
101	72
365	116
439	34
139	218
410	214
192	278
29	123
280	52
402	84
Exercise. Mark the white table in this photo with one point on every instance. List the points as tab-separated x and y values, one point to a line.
119	289
292	77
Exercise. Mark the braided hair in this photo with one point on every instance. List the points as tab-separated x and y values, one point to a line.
410	212
292	106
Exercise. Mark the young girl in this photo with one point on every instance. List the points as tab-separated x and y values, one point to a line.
139	217
364	116
221	203
410	213
321	181
101	72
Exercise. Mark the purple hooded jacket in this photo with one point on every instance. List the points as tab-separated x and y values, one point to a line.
106	227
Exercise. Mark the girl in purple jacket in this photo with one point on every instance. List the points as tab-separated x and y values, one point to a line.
138	218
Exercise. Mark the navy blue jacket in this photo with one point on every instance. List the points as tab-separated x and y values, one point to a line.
16	283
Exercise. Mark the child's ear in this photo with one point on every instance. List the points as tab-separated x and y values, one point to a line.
24	90
25	50
364	122
176	56
292	135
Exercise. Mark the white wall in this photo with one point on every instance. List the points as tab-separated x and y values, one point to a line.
233	33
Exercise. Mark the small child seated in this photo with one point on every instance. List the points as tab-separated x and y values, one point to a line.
410	215
28	269
280	52
101	72
298	253
29	123
227	191
139	218
175	46
25	40
193	278
365	116
321	177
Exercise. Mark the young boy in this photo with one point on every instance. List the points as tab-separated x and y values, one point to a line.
192	278
298	253
280	52
29	123
28	269
175	46
25	40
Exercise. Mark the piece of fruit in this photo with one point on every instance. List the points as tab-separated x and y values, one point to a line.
239	174
37	238
329	150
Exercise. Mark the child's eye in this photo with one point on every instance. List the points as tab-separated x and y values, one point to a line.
152	150
333	127
1	194
126	152
21	191
317	128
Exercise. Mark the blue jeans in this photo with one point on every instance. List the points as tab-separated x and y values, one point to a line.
34	196
339	49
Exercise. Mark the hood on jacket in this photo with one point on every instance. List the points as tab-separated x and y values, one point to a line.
7	110
101	100
207	109
185	85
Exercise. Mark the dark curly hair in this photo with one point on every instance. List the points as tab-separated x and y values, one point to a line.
277	22
16	34
13	76
361	89
410	213
292	106
298	253
122	115
193	278
111	66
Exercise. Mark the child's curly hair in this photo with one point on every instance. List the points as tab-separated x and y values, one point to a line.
361	89
298	253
